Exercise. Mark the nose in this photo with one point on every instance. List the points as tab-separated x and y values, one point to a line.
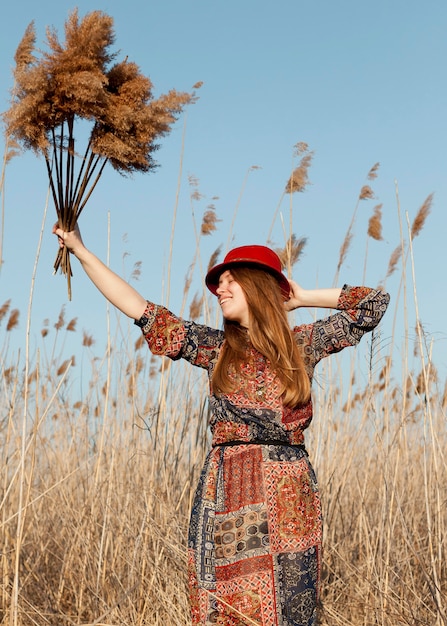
221	284
221	288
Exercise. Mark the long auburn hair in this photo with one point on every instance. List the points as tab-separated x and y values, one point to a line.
269	333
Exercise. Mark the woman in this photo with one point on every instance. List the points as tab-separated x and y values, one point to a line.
255	531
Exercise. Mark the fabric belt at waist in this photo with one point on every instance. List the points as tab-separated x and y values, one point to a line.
261	442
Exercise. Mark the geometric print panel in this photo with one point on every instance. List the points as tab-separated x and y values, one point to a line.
241	534
293	505
242	479
246	600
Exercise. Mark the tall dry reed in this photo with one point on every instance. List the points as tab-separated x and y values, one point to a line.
96	488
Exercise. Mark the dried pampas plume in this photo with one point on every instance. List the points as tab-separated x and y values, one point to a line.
194	184
372	174
79	80
87	340
422	214
394	259
375	224
214	257
195	308
292	251
209	221
4	309
71	326
61	319
344	248
63	367
13	321
12	149
136	272
299	179
366	193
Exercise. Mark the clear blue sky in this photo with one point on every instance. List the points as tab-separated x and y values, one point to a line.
359	82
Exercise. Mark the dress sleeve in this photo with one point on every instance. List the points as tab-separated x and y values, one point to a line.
360	309
169	335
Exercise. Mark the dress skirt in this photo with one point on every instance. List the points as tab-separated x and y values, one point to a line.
255	538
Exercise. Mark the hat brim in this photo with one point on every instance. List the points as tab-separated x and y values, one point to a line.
212	278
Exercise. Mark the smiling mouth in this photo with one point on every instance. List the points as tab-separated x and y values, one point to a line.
224	300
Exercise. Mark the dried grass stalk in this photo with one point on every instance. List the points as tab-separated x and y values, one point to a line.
71	326
375	224
87	340
4	309
344	248
292	251
196	196
76	80
195	308
299	179
13	321
209	221
12	149
366	193
421	216
372	174
214	257
394	259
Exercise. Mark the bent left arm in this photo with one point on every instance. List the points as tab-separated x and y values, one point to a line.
360	310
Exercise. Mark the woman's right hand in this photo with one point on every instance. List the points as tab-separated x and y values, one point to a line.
71	240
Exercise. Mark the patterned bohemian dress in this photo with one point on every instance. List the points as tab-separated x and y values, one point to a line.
256	530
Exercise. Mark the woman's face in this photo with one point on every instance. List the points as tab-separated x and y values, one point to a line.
232	299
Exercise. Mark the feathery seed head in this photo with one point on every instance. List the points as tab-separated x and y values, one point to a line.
344	249
61	320
136	272
24	54
375	224
195	308
394	259
71	326
372	174
292	251
214	257
65	365
422	214
299	179
13	321
87	340
366	193
209	221
4	309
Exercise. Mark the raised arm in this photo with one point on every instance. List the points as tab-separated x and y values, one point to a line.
323	298
117	291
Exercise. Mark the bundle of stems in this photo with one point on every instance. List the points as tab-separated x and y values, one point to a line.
71	196
73	81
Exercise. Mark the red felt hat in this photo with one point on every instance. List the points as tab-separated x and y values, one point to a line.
249	256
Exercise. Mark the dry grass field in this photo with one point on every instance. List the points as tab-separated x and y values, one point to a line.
96	490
